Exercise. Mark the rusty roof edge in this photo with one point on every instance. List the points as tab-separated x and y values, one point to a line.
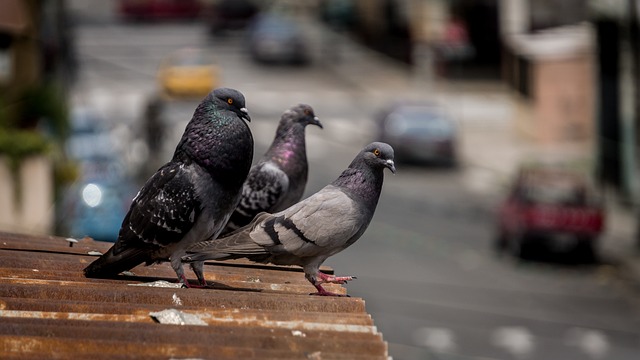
48	308
206	318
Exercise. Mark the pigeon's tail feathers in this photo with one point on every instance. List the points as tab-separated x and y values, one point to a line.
207	255
111	264
236	221
237	244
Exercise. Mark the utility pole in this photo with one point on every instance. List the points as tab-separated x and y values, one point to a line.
634	40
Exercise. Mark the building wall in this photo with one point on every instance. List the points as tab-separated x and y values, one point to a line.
563	99
27	207
24	51
551	67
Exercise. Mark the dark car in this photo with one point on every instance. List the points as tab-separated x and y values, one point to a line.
419	133
223	15
550	209
159	9
277	39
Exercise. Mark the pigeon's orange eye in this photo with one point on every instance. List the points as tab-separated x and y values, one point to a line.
376	152
307	112
230	101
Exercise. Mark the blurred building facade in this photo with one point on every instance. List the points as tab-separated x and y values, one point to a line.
19	51
34	71
548	60
618	114
573	65
544	50
617	31
455	31
35	46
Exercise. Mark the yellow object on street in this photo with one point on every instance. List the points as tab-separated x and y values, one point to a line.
188	73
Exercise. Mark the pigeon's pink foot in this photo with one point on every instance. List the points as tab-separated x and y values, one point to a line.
324	278
323	292
197	286
185	282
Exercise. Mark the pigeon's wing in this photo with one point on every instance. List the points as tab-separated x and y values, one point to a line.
164	210
317	225
265	185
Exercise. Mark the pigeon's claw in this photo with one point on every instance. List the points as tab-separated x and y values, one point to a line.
197	268
198	286
323	292
185	283
331	279
183	280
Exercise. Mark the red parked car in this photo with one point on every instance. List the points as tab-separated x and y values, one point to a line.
550	208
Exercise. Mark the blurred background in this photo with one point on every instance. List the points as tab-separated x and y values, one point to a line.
511	229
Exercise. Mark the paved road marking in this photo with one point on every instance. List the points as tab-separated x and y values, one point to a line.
594	343
437	339
517	340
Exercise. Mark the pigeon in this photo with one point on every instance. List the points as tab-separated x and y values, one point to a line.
310	231
278	179
190	198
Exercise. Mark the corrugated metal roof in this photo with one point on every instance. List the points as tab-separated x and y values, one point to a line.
48	309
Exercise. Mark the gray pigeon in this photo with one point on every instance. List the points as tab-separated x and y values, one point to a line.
190	198
278	179
309	232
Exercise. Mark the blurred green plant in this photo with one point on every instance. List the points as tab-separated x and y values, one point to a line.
45	106
17	144
37	124
40	107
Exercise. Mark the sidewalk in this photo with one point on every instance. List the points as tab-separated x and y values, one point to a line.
491	147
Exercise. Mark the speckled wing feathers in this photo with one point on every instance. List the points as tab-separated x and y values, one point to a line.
262	190
164	211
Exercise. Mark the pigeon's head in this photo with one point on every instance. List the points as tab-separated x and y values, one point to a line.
379	155
301	114
232	100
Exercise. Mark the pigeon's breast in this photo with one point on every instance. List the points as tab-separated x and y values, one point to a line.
217	202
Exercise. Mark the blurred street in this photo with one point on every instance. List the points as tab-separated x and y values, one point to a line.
426	266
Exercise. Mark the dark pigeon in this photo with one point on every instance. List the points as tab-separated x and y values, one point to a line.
278	179
309	232
190	198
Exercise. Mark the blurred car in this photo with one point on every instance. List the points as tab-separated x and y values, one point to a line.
95	204
188	72
159	9
95	209
222	15
277	39
89	137
419	133
553	209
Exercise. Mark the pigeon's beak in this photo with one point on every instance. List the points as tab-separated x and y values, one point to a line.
316	121
390	165
245	114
